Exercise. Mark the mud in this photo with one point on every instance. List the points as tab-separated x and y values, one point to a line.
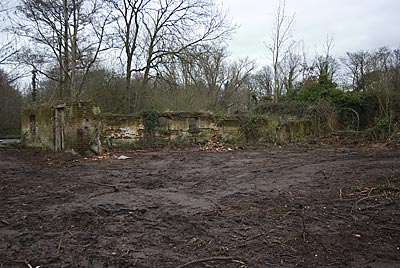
336	206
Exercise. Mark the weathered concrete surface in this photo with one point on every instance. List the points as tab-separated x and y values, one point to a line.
198	127
80	127
67	127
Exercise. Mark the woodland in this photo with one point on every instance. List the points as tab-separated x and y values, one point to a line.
131	56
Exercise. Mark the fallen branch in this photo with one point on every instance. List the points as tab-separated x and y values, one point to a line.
284	245
5	222
318	241
60	242
391	228
27	263
376	206
304	228
365	198
103	184
245	242
355	206
286	214
229	259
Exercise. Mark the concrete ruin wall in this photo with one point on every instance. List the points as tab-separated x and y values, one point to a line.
171	126
68	127
37	127
119	130
81	128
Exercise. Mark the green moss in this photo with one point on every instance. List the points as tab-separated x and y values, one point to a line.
121	142
159	128
120	120
150	123
228	122
208	115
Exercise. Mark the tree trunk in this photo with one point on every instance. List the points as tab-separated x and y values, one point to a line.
276	80
128	81
74	48
64	66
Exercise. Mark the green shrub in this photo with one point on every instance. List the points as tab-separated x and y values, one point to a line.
150	122
249	130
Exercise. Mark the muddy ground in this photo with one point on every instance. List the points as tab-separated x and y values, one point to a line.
336	206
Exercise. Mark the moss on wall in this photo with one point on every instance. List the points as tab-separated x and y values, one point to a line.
82	128
121	129
86	129
76	126
37	127
200	127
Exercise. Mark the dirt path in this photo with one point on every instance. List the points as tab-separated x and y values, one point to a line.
293	207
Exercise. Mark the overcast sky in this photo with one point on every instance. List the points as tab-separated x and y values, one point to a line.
353	24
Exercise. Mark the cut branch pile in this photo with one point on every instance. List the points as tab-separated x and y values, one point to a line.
214	145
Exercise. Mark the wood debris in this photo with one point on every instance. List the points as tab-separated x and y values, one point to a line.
214	145
98	157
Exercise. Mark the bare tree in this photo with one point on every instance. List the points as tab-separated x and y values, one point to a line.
357	65
291	67
128	16
7	51
384	71
210	72
326	65
151	31
201	78
7	45
10	106
235	93
198	75
223	83
263	80
68	33
281	35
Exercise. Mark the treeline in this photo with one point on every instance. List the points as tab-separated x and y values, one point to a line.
136	55
11	102
363	88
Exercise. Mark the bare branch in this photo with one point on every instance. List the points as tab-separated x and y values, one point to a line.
281	33
153	31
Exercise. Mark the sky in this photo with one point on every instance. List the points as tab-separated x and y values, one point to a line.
353	25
